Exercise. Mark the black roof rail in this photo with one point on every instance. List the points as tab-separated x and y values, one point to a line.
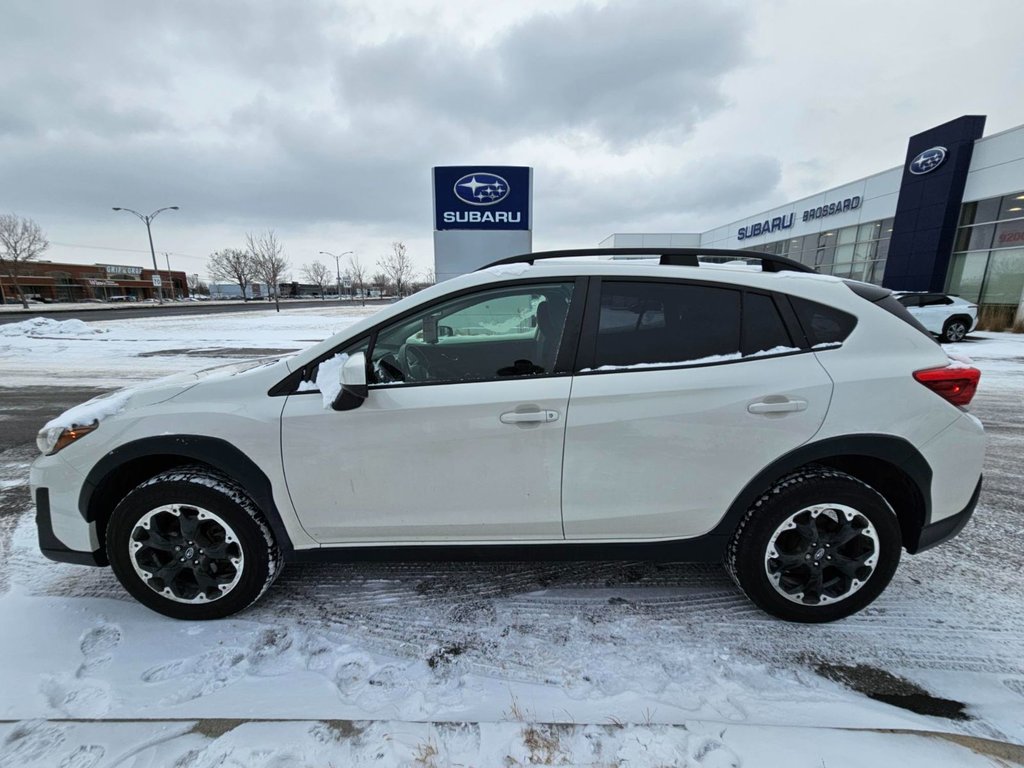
677	257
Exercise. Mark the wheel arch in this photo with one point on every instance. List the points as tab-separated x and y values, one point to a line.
889	464
132	463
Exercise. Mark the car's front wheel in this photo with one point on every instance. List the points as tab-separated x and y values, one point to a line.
190	544
818	546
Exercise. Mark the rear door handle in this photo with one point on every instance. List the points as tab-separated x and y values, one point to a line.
528	417
780	406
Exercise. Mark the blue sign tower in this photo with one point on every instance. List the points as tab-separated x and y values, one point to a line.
482	213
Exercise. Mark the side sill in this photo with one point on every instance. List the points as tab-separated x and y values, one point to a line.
703	549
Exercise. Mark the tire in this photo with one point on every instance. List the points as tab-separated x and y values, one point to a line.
954	330
232	558
836	545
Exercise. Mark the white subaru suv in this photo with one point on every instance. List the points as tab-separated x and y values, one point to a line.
948	317
803	429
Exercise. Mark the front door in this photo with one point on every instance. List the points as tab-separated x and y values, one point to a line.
461	436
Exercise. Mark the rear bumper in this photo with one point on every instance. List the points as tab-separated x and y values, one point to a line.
51	546
945	529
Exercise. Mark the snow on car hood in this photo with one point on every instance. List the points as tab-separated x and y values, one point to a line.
152	392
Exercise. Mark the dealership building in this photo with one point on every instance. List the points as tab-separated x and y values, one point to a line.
52	281
950	219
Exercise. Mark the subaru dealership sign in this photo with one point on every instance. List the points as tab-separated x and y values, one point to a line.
482	213
482	197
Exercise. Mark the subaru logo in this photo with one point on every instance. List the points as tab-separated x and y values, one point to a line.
928	161
481	189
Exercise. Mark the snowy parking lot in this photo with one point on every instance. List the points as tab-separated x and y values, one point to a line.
602	663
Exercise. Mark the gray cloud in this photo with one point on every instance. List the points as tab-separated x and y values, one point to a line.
706	185
273	114
626	72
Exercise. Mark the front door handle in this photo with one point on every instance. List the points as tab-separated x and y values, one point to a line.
528	417
777	406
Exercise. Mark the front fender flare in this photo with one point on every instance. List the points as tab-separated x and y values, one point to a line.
213	451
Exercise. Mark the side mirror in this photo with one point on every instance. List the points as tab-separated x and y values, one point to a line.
354	389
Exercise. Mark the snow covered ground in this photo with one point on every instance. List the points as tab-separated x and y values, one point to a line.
111	353
503	663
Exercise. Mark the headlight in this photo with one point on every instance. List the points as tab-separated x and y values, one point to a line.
53	439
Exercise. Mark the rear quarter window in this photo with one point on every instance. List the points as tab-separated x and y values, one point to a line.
823	324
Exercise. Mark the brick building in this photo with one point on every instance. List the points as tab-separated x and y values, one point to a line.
52	281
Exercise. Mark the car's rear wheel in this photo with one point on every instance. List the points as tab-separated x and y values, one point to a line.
818	546
190	544
954	331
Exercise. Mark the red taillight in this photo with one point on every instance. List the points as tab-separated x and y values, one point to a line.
955	383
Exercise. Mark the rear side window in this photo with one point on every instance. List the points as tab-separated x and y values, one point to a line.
644	324
823	324
763	327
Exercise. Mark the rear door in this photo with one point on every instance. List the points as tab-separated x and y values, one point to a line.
683	393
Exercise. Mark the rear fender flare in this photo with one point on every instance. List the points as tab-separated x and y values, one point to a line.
891	449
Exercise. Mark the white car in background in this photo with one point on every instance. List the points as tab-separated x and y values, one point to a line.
948	317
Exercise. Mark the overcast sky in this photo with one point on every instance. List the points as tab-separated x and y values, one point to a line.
322	120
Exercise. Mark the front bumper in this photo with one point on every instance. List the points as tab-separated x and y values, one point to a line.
945	529
54	548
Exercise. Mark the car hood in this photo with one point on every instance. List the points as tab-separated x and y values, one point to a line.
160	390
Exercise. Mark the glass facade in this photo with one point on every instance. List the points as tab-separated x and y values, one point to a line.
987	265
857	252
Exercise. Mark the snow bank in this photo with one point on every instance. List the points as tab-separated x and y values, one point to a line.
45	326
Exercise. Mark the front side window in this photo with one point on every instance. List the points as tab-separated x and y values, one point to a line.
646	324
494	334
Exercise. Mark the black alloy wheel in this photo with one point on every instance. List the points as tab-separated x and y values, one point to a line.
817	546
191	544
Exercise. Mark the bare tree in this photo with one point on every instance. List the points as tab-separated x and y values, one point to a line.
233	266
319	275
357	269
269	259
21	241
397	266
379	281
429	276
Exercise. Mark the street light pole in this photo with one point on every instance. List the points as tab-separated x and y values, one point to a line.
170	282
337	267
148	220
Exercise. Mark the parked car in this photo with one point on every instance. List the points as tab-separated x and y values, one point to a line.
801	428
948	317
